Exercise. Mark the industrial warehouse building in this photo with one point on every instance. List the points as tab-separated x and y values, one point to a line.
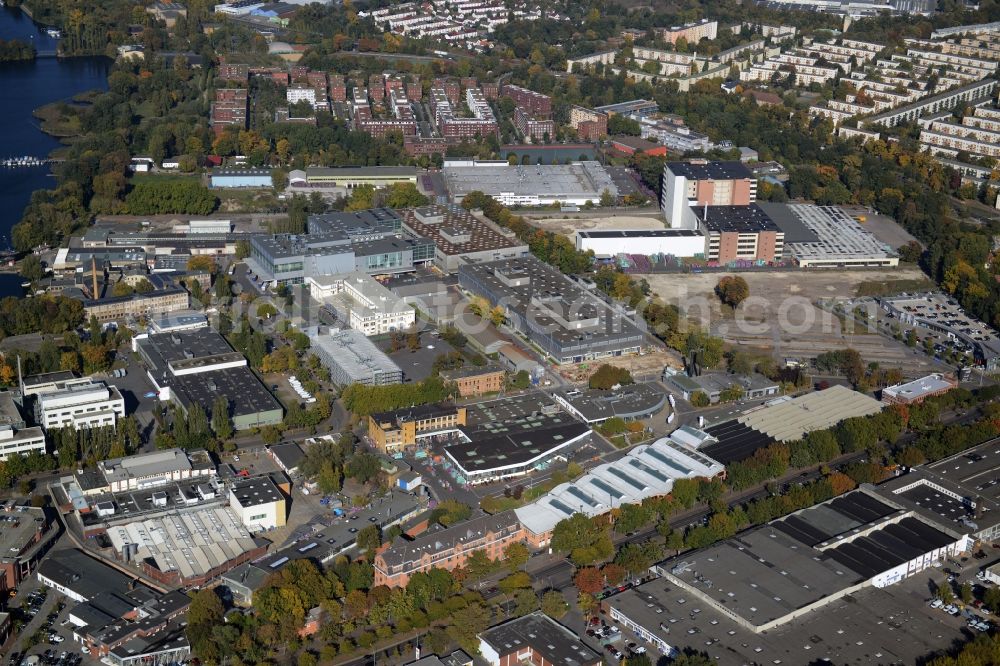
351	177
608	243
195	367
566	321
778	587
536	185
240	177
647	471
631	402
490	441
186	547
352	358
787	420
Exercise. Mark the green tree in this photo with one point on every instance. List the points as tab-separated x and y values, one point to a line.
554	604
732	290
222	425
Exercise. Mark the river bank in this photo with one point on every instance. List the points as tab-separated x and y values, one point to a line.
59	119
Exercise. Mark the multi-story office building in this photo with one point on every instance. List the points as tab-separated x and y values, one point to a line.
14	436
472	381
703	183
80	405
460	236
287	259
138	305
391	432
566	321
352	358
363	302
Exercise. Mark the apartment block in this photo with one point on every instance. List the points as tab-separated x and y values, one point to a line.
534	130
536	104
692	33
589	125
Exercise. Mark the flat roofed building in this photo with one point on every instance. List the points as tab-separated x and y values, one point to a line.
534	185
194	367
258	503
80	406
568	322
351	177
770	575
911	393
461	236
515	449
363	302
14	436
352	358
474	381
612	242
535	638
393	431
740	233
838	240
790	420
754	386
25	536
714	183
635	107
649	470
289	259
631	402
287	456
79	576
154	469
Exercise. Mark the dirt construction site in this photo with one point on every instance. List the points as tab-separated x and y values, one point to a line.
569	225
781	317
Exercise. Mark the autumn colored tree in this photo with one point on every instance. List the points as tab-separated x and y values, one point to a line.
732	290
589	580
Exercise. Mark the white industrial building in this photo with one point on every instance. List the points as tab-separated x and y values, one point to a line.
535	185
15	437
676	242
157	468
258	503
89	404
353	359
362	301
647	471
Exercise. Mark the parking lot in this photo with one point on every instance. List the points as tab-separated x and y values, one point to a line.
46	633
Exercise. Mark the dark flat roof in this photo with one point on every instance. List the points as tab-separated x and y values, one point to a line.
84	575
736	442
245	392
517	447
787	221
735	218
729	170
256	491
546	637
415	413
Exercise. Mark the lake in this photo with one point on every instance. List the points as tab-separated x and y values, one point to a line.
27	86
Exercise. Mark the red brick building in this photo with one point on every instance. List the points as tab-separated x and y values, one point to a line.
536	104
632	145
25	535
447	548
536	639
